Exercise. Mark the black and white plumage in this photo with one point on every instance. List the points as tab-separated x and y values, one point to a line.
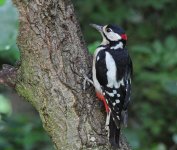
112	70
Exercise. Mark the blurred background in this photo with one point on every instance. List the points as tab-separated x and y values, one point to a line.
151	27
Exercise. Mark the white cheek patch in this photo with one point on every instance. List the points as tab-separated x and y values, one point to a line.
113	36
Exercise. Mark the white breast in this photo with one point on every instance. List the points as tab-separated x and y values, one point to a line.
95	81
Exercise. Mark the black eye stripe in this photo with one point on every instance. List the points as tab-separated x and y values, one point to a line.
106	37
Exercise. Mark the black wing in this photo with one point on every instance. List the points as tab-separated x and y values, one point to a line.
128	77
100	66
124	70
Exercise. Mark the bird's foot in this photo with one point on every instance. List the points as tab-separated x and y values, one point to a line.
87	82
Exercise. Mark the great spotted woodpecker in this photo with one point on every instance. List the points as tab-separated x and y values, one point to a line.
111	72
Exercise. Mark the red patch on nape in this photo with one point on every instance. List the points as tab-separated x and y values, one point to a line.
124	36
102	98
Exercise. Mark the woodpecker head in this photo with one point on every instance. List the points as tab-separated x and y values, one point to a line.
111	34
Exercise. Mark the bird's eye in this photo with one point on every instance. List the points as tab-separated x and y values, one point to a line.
108	30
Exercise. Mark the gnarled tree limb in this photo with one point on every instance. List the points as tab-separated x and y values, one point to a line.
8	75
53	61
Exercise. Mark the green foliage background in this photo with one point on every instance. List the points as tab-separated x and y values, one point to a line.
151	27
8	32
152	42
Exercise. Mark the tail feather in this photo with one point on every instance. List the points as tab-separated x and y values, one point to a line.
114	133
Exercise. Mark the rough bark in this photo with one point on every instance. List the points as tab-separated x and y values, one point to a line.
53	60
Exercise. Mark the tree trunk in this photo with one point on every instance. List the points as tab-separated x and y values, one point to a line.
53	61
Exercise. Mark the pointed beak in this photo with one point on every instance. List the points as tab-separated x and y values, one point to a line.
97	27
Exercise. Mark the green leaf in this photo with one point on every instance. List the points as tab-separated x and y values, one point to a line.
170	43
135	16
141	49
5	106
160	146
170	22
10	56
8	26
170	60
170	87
158	47
132	137
157	4
174	138
2	2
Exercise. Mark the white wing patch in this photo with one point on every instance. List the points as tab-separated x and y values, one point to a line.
117	101
118	95
114	91
110	94
111	73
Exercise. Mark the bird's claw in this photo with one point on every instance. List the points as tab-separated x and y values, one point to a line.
86	81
